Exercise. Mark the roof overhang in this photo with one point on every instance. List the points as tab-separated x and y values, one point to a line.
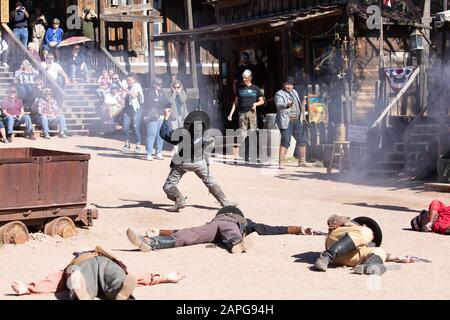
242	28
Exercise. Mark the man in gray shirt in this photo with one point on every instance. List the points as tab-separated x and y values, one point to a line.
290	117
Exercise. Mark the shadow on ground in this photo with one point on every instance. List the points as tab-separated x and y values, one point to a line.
357	178
382	207
148	204
306	257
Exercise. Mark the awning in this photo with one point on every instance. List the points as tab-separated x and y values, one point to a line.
260	25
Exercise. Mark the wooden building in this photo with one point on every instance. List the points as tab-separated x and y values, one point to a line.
319	42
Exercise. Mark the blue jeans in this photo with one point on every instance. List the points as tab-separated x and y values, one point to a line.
82	71
60	119
296	129
153	128
10	122
22	35
135	118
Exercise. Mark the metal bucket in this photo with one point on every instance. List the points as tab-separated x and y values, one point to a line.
269	121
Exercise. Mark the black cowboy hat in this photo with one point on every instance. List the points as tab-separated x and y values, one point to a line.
372	225
195	116
289	79
230	209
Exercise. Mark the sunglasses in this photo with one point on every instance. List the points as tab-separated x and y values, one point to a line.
177	87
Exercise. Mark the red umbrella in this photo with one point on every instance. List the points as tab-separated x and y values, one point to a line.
73	40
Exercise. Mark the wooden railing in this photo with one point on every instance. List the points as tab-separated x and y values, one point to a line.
396	98
18	53
102	60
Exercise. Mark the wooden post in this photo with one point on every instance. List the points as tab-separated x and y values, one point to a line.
424	56
381	95
286	43
192	53
102	30
351	57
151	51
4	6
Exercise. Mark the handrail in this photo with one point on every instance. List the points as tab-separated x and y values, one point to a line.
112	62
47	79
397	97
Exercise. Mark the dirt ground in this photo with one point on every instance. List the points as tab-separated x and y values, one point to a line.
128	193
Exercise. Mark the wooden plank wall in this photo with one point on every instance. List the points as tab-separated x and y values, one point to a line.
4	7
366	74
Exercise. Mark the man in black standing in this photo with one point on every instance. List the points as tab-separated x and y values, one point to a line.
19	20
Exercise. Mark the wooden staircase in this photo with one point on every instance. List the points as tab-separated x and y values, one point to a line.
414	155
80	107
6	81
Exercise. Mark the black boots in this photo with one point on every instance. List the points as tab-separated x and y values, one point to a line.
146	244
175	195
217	192
343	246
372	265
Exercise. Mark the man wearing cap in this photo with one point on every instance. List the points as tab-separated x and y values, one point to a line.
436	219
191	157
14	114
349	243
229	227
291	121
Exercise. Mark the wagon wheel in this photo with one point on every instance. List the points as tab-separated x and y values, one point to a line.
14	233
61	226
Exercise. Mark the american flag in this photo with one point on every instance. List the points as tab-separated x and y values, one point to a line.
387	2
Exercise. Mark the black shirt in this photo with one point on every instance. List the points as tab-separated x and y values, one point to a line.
247	97
155	103
19	20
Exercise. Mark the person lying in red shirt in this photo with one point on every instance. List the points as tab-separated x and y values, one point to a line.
436	219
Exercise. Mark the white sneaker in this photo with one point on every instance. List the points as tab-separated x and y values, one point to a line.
149	157
159	157
5	65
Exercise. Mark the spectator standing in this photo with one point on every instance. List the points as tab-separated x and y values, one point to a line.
14	114
4	52
156	102
39	25
178	97
245	64
248	97
47	109
89	24
132	112
19	21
